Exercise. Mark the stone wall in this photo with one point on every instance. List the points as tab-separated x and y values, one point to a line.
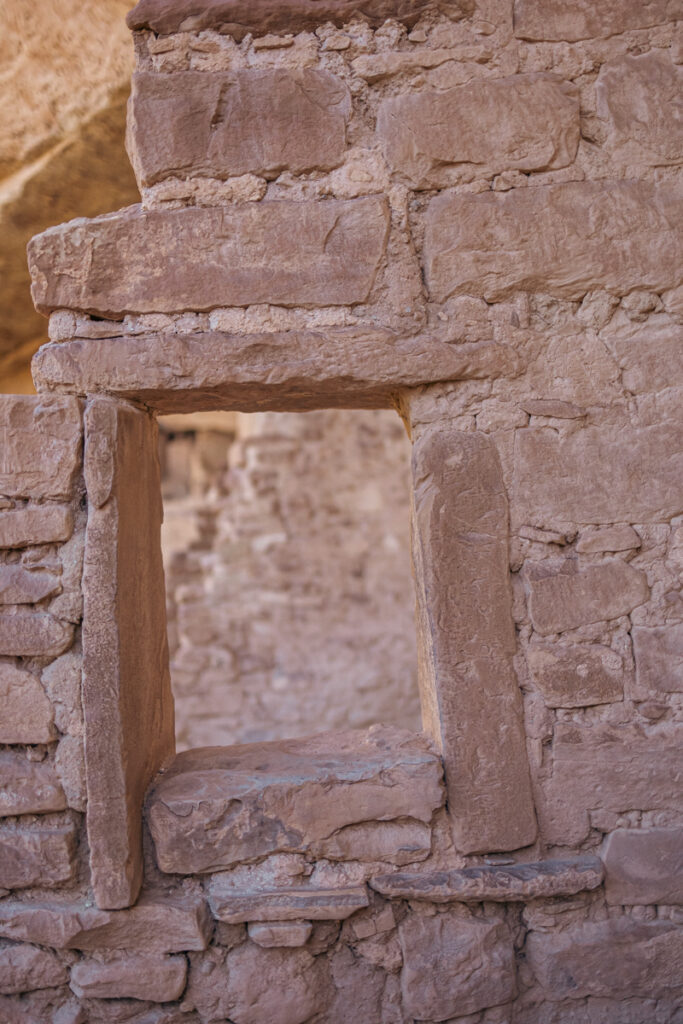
465	212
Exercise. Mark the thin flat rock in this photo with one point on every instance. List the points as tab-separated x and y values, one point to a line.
237	905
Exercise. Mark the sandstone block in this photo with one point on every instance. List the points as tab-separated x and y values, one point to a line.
28	787
498	884
454	966
154	978
398	842
524	122
218	806
34	635
650	354
625	473
641	98
42	524
164	924
40	446
223	124
235	904
620	958
25	968
26	713
285	253
644	866
271	934
607	770
37	855
577	675
26	586
470	697
609	538
62	681
569	597
659	658
585	19
563	240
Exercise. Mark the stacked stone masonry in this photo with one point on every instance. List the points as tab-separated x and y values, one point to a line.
467	212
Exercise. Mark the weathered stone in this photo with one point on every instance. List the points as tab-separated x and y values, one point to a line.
471	702
221	805
239	17
42	524
236	904
129	728
607	770
163	924
28	787
641	99
563	240
619	958
296	371
34	635
499	884
609	538
26	968
525	122
585	19
70	768
658	652
285	253
644	866
40	446
650	354
37	855
26	711
568	597
250	985
454	966
251	121
398	842
62	681
576	676
26	586
288	934
624	473
156	979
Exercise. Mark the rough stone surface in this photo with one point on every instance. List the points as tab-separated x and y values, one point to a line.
526	122
218	806
584	19
644	866
37	855
25	968
272	934
252	121
34	634
455	966
28	787
40	446
41	524
470	698
25	586
128	727
570	597
576	675
399	842
27	715
563	240
499	884
235	905
658	652
155	979
285	253
609	538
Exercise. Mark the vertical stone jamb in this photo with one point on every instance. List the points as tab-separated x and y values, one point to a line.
127	701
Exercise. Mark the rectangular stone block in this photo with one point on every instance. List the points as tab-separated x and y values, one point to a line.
40	524
34	635
360	368
150	977
607	770
40	446
217	806
658	651
568	597
563	240
524	122
28	787
37	855
576	675
644	866
26	714
649	354
25	968
129	727
284	253
236	905
19	585
471	703
222	124
586	19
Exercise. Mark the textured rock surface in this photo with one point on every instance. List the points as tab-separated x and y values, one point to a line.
34	635
40	446
272	934
577	675
25	586
571	597
400	842
583	19
644	866
218	806
25	968
156	979
27	715
658	652
41	524
235	905
28	787
37	855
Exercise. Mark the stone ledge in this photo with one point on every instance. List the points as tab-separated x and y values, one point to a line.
236	906
498	884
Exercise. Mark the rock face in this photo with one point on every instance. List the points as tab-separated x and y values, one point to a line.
644	866
317	254
553	19
27	715
256	122
571	597
218	806
40	447
577	675
427	137
157	979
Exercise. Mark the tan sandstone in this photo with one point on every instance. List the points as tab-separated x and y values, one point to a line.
38	524
28	787
34	634
39	446
644	866
25	968
37	855
568	597
27	715
576	675
153	978
584	19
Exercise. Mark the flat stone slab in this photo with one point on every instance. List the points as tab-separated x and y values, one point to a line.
235	905
498	884
40	444
219	806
